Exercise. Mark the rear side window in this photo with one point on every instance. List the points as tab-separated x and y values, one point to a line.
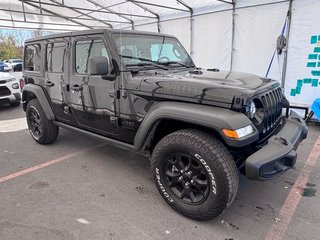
32	58
85	50
55	57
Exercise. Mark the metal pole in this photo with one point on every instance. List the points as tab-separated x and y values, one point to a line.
24	13
233	33
159	5
110	10
285	61
191	33
58	15
149	11
191	23
77	11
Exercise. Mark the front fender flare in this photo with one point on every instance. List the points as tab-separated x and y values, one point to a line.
42	98
207	116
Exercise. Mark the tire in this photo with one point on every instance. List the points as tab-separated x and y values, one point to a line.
15	104
41	129
195	174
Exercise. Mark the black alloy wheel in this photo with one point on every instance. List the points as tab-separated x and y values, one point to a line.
187	178
194	173
42	130
35	121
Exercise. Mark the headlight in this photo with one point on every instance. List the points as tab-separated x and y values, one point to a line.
256	111
15	86
252	109
238	133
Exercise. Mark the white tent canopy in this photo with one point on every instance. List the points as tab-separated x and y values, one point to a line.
66	15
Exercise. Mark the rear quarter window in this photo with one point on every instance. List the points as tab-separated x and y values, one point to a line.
32	58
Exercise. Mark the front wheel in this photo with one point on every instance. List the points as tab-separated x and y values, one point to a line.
195	174
41	129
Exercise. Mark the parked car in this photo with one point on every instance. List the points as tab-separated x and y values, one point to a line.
9	90
142	92
2	67
7	66
17	67
12	64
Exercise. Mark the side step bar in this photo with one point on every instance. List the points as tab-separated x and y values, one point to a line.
107	140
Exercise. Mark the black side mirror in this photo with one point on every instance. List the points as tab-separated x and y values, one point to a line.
98	66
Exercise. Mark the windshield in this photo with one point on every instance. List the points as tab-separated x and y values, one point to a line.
17	61
142	50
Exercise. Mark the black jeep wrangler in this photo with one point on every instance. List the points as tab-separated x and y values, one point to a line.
142	92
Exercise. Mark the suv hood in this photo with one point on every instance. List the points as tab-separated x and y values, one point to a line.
5	76
203	86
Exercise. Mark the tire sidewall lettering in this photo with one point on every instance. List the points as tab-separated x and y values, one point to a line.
210	173
161	187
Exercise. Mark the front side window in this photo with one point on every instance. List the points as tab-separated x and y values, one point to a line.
32	58
87	49
135	49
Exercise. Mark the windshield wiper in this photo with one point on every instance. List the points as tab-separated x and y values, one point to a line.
148	62
179	63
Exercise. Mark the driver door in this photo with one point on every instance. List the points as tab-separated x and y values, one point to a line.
92	97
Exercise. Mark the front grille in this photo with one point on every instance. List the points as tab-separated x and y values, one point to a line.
4	91
272	105
4	101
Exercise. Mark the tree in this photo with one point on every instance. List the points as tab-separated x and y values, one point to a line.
9	48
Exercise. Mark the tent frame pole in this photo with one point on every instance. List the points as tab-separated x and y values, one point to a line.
233	33
285	61
77	11
191	23
111	11
149	11
56	14
158	5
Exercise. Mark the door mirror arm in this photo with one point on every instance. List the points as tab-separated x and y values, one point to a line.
110	77
114	73
99	66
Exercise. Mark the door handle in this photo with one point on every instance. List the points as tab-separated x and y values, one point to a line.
49	84
76	88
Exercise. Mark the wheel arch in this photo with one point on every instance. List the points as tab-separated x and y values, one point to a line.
31	91
166	117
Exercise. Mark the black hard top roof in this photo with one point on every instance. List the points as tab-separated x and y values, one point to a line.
93	31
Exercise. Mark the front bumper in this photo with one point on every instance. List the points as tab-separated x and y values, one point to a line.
14	97
279	154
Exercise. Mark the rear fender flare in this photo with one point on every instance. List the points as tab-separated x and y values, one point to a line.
42	98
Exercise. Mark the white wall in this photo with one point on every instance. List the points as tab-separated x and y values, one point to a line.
179	28
256	33
212	40
305	24
153	27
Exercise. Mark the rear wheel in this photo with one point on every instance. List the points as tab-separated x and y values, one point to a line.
41	129
195	174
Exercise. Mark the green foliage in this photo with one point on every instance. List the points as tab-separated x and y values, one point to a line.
9	48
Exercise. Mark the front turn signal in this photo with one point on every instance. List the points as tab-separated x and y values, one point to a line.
230	133
239	133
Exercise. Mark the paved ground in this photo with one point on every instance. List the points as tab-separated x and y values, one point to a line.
107	193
